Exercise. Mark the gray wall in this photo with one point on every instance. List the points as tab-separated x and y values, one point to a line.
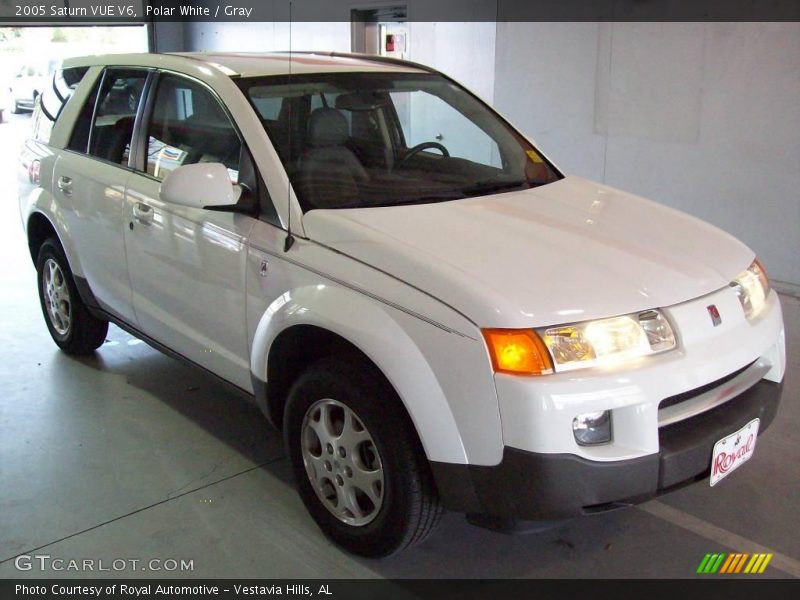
168	36
268	37
463	50
704	117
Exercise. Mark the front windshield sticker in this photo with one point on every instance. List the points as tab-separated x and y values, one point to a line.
534	156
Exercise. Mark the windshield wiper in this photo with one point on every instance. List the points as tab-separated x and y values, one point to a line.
477	189
425	199
438	197
490	186
454	195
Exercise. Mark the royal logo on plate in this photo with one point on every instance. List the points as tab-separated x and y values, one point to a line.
733	451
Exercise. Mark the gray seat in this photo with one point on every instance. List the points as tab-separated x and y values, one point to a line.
111	141
330	173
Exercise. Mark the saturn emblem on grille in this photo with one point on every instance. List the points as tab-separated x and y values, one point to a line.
713	312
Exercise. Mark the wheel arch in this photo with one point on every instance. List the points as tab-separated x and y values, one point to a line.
43	220
39	228
309	323
292	352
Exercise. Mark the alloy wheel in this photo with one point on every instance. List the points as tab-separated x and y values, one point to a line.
342	462
56	297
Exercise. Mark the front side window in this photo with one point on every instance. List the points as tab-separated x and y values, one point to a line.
115	109
189	126
383	139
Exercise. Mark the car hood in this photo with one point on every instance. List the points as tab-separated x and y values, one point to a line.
568	251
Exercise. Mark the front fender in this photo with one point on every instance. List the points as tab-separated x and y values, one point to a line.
401	345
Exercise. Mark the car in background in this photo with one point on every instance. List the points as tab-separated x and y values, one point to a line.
3	103
27	85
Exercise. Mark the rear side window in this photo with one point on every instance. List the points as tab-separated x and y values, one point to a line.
189	126
104	127
115	113
54	98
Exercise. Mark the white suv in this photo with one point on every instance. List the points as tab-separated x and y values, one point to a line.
432	313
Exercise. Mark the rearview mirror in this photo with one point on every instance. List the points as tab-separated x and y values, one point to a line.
362	101
200	185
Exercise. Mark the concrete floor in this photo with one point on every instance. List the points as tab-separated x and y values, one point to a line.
130	454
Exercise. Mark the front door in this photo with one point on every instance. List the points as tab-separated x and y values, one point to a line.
187	265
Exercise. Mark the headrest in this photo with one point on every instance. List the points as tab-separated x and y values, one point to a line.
327	127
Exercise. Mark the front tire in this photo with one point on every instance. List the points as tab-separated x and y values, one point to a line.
73	328
360	468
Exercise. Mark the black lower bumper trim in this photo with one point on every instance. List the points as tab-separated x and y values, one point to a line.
534	486
686	446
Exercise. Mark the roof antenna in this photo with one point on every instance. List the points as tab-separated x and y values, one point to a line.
289	242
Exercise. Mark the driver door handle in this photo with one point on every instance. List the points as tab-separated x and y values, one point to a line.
143	213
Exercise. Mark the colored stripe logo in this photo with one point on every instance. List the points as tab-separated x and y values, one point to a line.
737	562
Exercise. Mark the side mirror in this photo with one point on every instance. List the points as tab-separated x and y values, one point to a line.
201	185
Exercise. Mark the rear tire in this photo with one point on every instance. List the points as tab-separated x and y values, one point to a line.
73	328
367	484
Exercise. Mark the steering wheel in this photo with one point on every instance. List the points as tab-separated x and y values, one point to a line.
419	148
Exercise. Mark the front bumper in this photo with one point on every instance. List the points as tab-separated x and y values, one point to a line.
539	486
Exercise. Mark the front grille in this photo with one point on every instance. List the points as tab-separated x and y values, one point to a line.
684	396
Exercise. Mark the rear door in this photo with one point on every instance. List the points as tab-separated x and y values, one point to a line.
187	265
89	181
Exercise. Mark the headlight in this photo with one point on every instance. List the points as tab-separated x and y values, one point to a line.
594	343
752	288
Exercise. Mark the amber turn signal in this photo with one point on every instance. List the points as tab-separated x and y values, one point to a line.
517	351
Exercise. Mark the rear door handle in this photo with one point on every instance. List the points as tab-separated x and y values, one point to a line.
65	185
143	213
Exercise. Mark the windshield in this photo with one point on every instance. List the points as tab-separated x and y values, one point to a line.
352	140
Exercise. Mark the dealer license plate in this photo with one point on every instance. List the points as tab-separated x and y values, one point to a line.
733	451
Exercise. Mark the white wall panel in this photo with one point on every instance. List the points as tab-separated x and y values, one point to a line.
545	83
703	117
